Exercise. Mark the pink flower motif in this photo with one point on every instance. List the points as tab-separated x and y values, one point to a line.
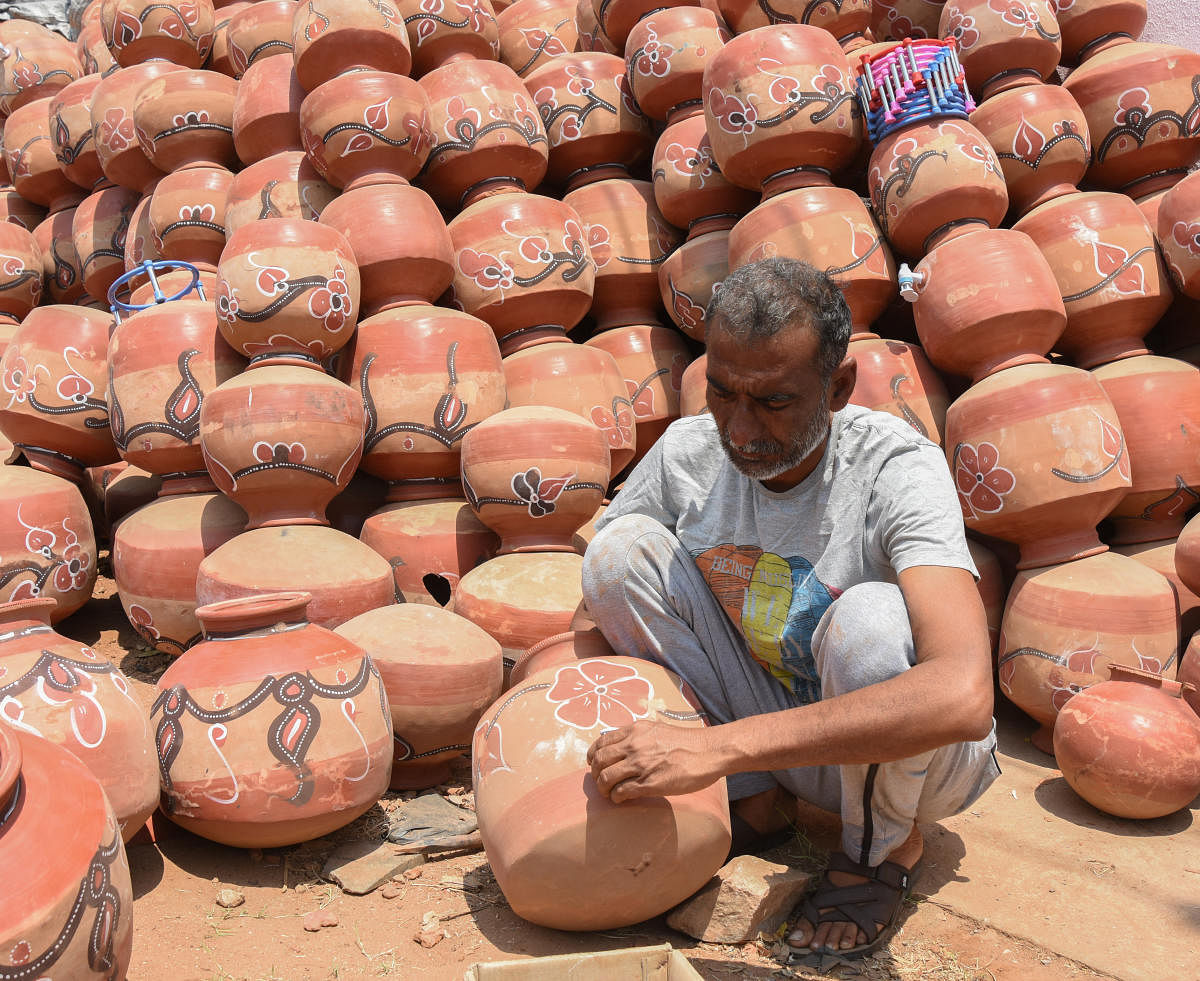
1132	108
830	77
265	452
691	161
19	381
73	572
486	270
654	59
598	243
331	303
534	248
785	89
982	482
314	148
1061	5
617	424
198	212
733	115
570	127
457	110
116	130
194	117
25	73
142	621
539	492
981	154
73	387
599	692
1128	278
1187	236
962	29
227	302
1015	13
580	82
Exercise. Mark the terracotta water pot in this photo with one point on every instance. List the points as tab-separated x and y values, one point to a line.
120	153
1003	45
1189	675
535	475
1040	136
591	36
186	212
440	672
287	291
344	576
185	119
333	37
534	32
897	378
1160	556
366	127
262	30
894	20
139	240
618	17
15	210
1039	459
1111	278
220	58
54	372
281	440
666	53
92	52
1130	746
932	181
62	279
1141	105
693	390
21	287
426	376
488	136
430	545
780	107
99	233
1065	624
530	759
122	489
1178	233
1092	26
566	648
591	119
266	110
847	20
137	31
578	378
68	694
31	159
444	33
522	264
283	185
689	277
689	189
74	918
156	553
1187	555
70	112
48	546
163	364
987	302
993	588
37	66
1164	446
271	731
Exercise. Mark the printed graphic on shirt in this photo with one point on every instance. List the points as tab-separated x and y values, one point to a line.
776	602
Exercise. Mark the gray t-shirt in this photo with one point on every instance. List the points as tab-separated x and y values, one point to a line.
880	501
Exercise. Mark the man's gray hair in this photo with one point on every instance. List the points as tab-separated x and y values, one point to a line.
762	298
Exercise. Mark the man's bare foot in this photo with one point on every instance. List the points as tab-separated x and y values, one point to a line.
838	936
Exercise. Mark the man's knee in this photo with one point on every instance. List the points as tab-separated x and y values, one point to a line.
865	638
628	544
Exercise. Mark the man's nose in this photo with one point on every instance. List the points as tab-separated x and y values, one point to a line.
743	427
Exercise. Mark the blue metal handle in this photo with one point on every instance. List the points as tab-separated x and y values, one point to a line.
149	269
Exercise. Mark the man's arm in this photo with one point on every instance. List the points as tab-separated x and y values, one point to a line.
946	697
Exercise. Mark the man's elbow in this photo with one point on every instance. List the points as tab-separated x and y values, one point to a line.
973	715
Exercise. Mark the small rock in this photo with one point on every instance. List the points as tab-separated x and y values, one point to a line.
747	895
431	933
391	891
360	867
316	919
413	873
230	898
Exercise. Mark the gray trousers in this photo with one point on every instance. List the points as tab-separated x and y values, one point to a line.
648	597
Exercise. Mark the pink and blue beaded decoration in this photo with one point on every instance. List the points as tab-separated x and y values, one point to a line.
912	81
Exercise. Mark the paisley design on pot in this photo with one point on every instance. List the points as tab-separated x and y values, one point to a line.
598	692
366	133
617	422
488	750
1030	145
68	152
1112	443
1135	118
13	268
435	12
1118	268
60	681
181	414
688	313
982	483
448	415
542	42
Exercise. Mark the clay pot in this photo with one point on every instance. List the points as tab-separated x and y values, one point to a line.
993	590
535	475
1187	556
1039	459
391	140
522	264
578	378
137	31
1160	556
1130	746
591	119
287	291
830	228
566	648
693	390
894	20
488	136
430	546
185	119
534	32
164	362
652	361
1092	26
689	277
62	279
986	303
1003	45
443	34
847	20
99	232
157	550
221	58
186	212
281	441
120	153
36	66
666	53
257	770
92	52
1041	139
1189	675
16	210
284	185
689	190
124	490
71	696
76	913
48	546
1178	233
897	378
1164	452
31	158
54	372
21	288
1065	624
260	31
591	36
139	240
266	111
530	764
780	107
70	112
400	243
344	576
1111	278
348	35
933	181
440	672
1139	103
618	17
426	377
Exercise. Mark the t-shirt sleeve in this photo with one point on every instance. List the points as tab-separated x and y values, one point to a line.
646	491
914	508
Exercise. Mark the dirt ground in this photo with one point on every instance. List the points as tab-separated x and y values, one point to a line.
180	931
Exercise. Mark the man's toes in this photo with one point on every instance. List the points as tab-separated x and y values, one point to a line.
822	939
801	935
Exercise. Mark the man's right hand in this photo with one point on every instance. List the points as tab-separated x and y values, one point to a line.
653	759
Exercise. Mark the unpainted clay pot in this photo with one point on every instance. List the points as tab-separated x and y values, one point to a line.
1160	556
271	731
446	32
1003	45
70	112
31	159
333	37
283	185
266	110
99	232
118	149
262	30
897	378
534	32
440	672
1130	746
689	277
137	31
693	392
185	119
531	770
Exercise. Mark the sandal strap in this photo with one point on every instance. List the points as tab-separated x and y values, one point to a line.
865	904
890	874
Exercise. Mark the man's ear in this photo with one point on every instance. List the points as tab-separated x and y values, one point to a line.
841	386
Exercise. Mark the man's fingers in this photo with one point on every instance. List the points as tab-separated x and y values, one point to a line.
607	738
608	777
